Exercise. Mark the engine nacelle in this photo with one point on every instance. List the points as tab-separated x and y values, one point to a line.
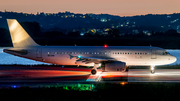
115	66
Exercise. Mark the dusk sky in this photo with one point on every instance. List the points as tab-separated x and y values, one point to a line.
115	7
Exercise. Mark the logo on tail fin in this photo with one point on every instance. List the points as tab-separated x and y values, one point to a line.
20	38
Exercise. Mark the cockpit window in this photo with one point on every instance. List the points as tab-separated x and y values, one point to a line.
165	53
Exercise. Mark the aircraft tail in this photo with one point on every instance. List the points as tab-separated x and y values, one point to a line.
20	38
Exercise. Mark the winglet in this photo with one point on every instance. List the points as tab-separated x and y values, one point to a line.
20	38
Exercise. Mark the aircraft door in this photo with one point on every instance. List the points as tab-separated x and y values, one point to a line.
39	53
153	54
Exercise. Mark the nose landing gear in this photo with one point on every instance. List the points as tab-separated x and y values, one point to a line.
152	69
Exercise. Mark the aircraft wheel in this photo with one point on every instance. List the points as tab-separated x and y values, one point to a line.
93	71
126	70
152	71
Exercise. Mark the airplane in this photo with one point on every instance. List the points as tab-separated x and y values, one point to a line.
110	58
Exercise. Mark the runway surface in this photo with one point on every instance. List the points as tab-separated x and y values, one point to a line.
42	75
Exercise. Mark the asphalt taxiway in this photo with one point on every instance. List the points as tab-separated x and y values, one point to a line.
42	75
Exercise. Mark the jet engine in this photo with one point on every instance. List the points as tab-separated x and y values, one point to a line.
115	66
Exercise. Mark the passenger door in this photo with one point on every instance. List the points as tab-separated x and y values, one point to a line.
153	54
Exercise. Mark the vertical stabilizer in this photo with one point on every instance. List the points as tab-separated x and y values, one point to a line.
20	38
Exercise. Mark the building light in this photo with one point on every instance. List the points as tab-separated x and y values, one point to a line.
106	29
0	17
103	20
82	34
168	16
133	25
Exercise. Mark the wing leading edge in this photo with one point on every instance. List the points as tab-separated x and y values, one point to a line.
91	59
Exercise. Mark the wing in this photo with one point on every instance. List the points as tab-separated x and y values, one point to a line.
91	59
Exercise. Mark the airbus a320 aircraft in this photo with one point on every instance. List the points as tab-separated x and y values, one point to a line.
111	58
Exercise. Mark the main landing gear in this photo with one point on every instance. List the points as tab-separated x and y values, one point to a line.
94	70
152	69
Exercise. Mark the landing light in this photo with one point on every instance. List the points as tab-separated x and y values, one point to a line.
123	83
100	65
152	67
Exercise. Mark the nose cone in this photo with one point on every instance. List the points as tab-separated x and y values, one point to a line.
173	59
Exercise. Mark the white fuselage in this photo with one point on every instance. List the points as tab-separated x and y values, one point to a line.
131	55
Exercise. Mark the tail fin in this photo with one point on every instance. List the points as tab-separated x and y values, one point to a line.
20	38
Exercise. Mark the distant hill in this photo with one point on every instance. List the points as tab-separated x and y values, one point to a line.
68	20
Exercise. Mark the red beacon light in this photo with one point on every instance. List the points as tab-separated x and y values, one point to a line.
105	45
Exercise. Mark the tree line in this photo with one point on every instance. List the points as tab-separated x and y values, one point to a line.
167	39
